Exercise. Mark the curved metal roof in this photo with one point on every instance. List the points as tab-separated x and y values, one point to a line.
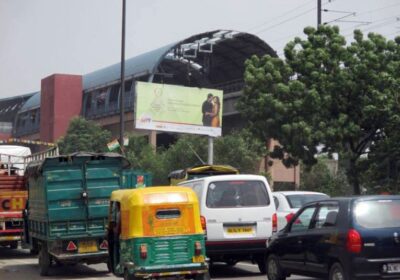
228	50
143	63
32	103
10	106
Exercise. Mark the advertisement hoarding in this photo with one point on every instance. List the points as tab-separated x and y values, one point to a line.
178	109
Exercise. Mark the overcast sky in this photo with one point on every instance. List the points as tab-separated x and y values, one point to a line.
42	37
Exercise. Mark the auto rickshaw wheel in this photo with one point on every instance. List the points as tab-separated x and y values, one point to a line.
128	276
44	261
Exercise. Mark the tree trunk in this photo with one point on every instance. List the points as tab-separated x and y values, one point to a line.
353	176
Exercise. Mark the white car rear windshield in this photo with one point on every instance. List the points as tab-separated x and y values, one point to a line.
377	213
234	194
298	200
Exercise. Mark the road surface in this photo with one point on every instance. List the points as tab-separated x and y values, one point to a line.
20	265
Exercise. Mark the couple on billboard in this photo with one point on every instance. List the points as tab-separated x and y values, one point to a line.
210	109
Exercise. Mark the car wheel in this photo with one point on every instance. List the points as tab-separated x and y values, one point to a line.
203	276
14	245
337	273
44	261
262	264
274	270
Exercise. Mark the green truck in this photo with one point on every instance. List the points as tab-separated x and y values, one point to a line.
67	209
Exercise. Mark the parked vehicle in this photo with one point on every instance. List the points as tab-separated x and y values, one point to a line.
289	202
238	214
67	209
156	232
178	176
340	238
13	193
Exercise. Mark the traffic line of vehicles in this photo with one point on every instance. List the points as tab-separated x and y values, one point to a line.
93	208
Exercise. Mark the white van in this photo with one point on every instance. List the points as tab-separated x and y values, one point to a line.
238	214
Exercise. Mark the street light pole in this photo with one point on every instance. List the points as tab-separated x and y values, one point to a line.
319	11
121	97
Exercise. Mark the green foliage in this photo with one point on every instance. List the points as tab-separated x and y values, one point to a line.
324	92
239	149
143	157
83	135
318	178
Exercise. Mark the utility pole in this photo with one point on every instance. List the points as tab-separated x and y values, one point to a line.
121	97
319	11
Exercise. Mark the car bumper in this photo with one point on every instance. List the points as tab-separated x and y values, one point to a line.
95	257
169	270
363	268
236	247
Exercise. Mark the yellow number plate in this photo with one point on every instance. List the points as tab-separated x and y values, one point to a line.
240	230
87	246
198	259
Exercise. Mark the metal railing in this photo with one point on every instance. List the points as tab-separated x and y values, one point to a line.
11	160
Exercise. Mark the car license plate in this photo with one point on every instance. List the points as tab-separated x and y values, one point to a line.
393	267
198	259
239	230
87	246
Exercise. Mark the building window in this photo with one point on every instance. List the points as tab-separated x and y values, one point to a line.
114	94
88	103
101	98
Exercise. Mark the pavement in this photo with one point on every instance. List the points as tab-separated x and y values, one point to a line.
20	265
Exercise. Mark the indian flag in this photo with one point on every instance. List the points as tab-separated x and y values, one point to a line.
114	144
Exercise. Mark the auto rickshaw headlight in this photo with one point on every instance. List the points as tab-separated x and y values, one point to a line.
197	248
143	251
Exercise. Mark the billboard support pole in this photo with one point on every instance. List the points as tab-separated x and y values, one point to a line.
210	160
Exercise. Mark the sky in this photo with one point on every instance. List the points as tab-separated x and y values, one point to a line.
42	37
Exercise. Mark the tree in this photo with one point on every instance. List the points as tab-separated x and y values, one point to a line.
83	135
324	94
318	178
239	149
143	157
383	163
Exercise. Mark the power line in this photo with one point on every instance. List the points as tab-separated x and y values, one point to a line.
378	9
374	22
284	21
385	23
280	16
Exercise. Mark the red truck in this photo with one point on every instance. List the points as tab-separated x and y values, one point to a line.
13	197
13	190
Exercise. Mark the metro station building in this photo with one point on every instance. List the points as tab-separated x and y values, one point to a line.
212	59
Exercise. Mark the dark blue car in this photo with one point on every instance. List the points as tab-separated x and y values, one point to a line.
340	238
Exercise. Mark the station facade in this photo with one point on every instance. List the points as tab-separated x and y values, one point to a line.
212	59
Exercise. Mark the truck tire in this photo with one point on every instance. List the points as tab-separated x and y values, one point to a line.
14	245
44	260
203	276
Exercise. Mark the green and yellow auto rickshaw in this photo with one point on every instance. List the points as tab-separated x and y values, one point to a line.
156	233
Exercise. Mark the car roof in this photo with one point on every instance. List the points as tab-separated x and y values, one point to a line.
356	197
227	177
297	192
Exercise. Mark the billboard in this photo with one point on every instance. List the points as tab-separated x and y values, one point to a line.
178	109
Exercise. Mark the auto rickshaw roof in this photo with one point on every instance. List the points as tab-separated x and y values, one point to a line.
203	169
154	195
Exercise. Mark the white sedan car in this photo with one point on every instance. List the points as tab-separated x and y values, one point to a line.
288	202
